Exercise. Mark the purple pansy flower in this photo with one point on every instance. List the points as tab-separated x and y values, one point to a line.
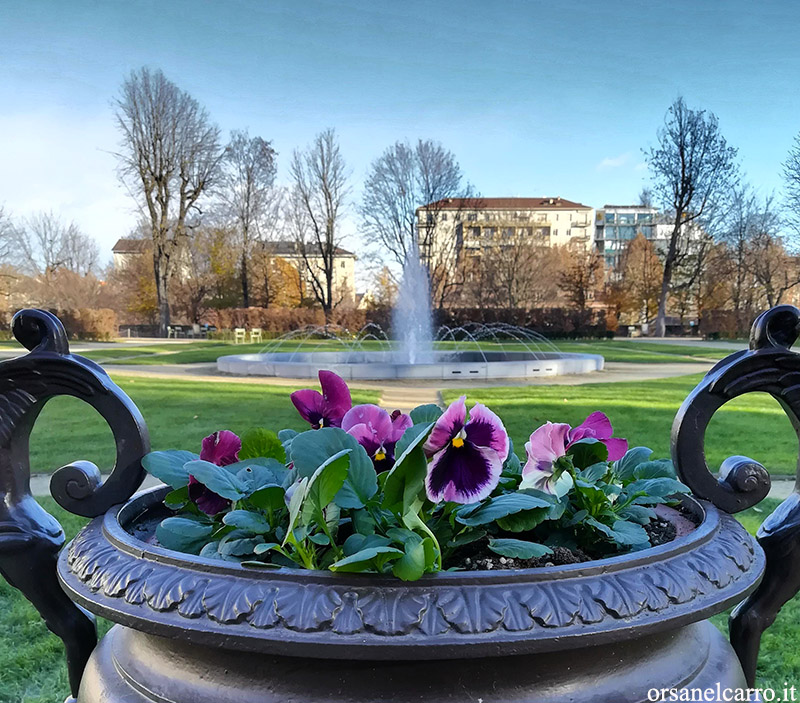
221	448
467	455
552	440
376	431
324	409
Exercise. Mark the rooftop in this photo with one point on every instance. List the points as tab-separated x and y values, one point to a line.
547	203
132	246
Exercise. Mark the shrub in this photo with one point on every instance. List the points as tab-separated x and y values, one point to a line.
89	323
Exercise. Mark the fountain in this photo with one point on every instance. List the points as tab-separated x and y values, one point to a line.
474	351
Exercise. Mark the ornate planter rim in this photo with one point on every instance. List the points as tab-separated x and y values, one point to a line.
446	615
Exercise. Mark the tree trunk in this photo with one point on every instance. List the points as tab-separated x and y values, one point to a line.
245	282
162	296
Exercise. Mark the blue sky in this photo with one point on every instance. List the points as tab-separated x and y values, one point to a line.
535	98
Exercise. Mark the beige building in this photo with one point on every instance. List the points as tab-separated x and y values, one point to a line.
447	227
344	269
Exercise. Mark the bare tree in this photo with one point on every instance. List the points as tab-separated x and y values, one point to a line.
582	277
46	244
692	169
773	268
316	203
246	188
169	159
643	273
399	181
8	237
791	176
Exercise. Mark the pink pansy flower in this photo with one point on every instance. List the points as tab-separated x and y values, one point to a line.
376	431
467	455
552	441
324	409
221	448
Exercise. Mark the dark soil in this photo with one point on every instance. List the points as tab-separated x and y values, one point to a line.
478	557
489	560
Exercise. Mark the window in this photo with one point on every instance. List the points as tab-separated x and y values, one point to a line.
569	232
475	232
610	218
645	217
508	232
342	264
429	219
444	217
489	232
526	231
472	217
626	218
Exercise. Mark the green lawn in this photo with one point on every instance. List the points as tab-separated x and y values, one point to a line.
643	412
178	414
209	351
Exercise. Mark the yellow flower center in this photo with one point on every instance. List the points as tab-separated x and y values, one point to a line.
458	442
380	456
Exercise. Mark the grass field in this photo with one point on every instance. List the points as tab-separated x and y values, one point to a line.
178	414
209	351
643	412
33	669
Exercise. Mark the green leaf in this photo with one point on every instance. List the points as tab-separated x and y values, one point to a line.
658	487
637	513
260	442
406	481
324	485
625	466
265	547
622	532
411	565
413	436
269	498
499	507
363	560
319	538
257	473
311	449
238	546
295	504
661	468
177	498
518	549
247	521
217	479
183	534
593	473
355	543
586	452
467	537
524	520
425	414
169	466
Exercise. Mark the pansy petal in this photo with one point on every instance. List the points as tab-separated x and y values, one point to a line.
449	424
310	404
541	480
486	430
221	448
546	444
596	426
207	501
371	415
463	474
616	448
366	437
400	423
336	395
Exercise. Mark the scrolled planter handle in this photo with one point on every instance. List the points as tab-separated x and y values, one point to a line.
30	538
769	366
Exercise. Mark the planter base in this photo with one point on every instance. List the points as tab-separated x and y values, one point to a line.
131	667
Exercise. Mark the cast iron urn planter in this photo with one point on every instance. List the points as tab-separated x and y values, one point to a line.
193	630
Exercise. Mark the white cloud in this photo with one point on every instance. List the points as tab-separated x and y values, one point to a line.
614	161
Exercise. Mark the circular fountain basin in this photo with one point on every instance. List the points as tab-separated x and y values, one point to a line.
443	365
